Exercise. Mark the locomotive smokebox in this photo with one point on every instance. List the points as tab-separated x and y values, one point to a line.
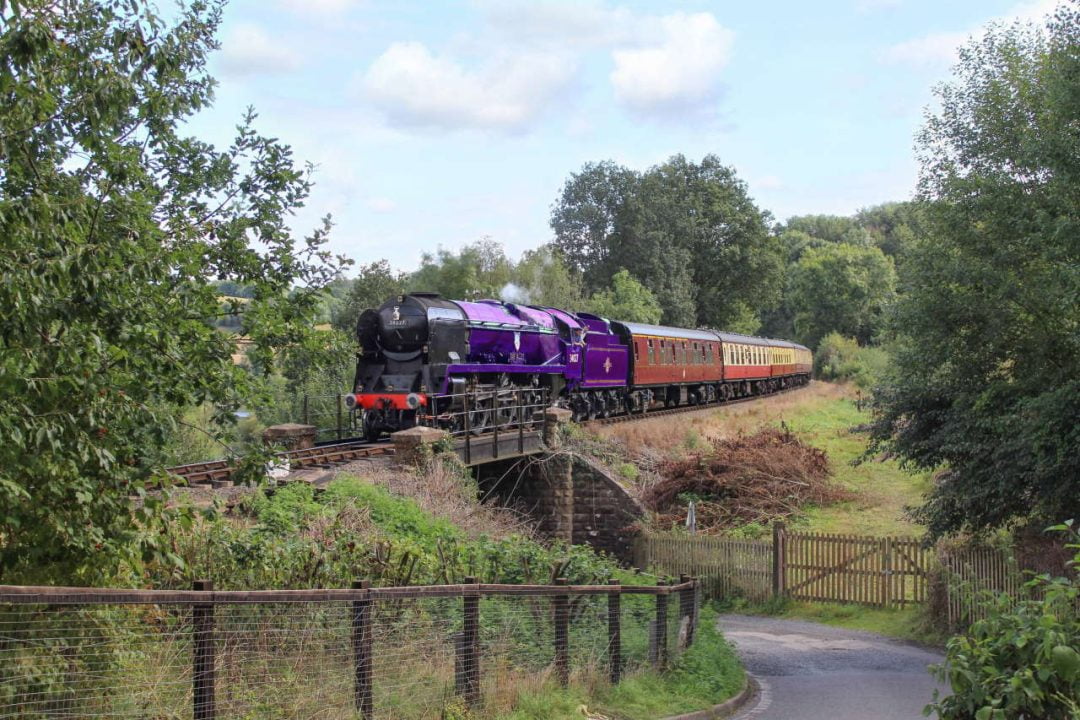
403	324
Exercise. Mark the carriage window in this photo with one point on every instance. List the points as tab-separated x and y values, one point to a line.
650	349
635	351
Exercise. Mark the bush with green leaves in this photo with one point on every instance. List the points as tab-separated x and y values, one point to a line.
842	359
1023	660
355	530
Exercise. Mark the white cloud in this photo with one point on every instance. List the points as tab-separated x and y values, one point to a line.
768	182
248	50
381	205
680	71
413	86
941	49
932	50
318	7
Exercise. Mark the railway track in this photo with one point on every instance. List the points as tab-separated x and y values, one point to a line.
217	472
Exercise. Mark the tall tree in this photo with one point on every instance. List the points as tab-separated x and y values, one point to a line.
115	227
479	270
987	373
689	230
373	284
626	299
840	288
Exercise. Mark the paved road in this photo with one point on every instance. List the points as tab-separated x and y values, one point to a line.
815	672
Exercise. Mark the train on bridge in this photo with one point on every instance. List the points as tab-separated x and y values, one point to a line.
451	362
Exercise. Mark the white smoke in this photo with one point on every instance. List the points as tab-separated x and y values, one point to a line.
514	294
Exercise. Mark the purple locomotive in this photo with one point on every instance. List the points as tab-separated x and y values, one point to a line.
421	353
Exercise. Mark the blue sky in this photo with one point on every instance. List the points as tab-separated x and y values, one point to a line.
439	123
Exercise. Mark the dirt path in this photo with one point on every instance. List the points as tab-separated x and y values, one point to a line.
809	671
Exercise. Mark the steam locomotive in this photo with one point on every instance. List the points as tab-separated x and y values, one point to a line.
423	354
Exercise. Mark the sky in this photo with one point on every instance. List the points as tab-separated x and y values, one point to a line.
434	124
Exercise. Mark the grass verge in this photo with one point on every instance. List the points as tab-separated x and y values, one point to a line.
705	675
910	624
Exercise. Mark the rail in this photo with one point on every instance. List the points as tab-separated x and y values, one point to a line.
360	652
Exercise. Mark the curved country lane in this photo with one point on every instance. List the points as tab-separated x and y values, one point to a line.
809	671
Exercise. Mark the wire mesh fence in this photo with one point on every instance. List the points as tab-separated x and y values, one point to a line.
409	652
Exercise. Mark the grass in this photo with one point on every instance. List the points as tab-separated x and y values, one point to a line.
910	624
705	675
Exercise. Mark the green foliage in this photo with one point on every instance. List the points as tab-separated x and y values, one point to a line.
353	529
372	286
479	270
542	277
689	231
706	674
987	364
1023	660
843	288
841	359
115	227
627	299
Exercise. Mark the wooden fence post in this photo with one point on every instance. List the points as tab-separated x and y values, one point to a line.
685	610
886	572
614	619
202	616
339	416
561	615
467	672
778	558
661	627
695	610
362	652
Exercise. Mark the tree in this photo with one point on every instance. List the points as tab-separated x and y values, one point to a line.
841	288
116	228
987	372
689	230
477	271
373	284
542	278
626	299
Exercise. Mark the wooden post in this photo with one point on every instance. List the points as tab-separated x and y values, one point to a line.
561	615
660	661
886	572
778	559
685	610
695	609
362	637
339	417
467	672
202	617
614	628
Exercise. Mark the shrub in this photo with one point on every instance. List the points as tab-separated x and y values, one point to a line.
1023	660
842	359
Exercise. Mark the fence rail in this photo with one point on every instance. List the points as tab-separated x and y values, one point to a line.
363	652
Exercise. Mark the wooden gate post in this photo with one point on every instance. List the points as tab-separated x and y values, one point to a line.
614	625
660	660
467	672
778	558
561	615
362	638
202	617
686	609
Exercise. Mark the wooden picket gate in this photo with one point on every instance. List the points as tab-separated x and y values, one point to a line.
858	569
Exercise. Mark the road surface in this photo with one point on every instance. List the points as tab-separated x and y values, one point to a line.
809	671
